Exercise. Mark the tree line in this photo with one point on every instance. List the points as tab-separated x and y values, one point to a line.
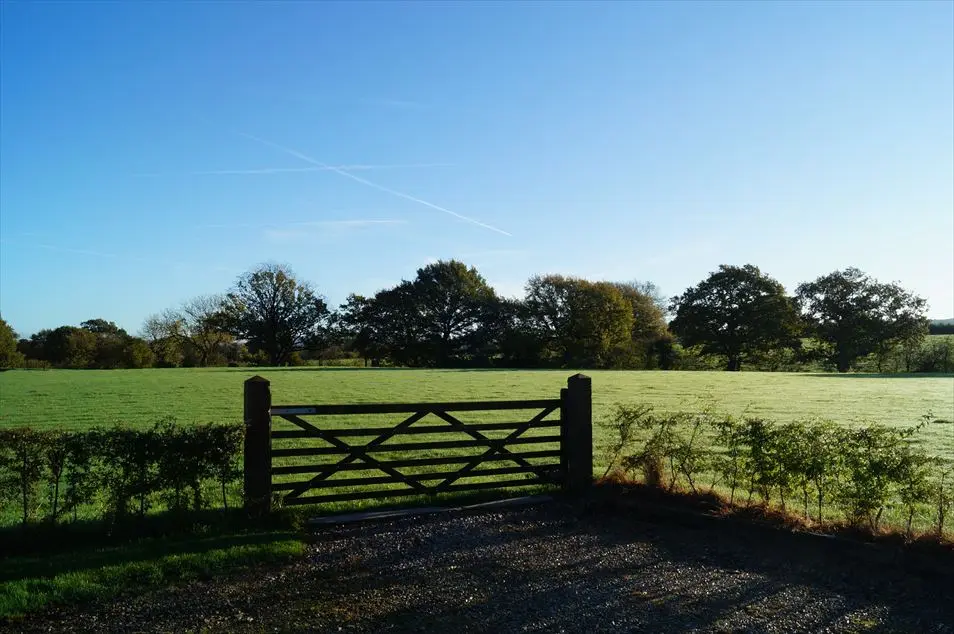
449	316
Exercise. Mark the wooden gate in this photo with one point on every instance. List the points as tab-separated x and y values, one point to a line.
536	450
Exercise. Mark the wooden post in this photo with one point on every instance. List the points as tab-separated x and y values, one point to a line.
258	446
577	410
564	442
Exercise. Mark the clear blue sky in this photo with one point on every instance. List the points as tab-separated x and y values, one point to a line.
140	161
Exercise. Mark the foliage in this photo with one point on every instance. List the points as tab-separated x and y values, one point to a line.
274	313
941	327
449	316
10	357
578	323
735	312
195	328
866	470
96	343
674	440
855	315
446	316
121	471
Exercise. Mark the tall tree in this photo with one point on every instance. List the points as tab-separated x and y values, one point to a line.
649	319
454	306
736	312
446	315
274	312
197	326
578	323
166	350
110	346
65	347
855	315
10	357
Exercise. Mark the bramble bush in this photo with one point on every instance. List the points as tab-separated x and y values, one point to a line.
863	472
120	472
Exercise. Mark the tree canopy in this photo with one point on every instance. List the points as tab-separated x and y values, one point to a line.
735	312
196	328
10	357
274	312
855	315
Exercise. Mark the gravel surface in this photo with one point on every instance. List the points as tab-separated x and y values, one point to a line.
547	568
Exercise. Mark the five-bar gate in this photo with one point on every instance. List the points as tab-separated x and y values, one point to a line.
295	454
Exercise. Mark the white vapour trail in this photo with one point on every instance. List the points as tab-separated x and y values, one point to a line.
332	224
294	170
89	252
363	181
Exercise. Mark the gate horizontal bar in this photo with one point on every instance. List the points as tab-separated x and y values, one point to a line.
398	408
412	462
410	446
423	429
416	477
370	495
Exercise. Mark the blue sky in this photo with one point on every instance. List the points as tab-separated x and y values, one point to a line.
151	152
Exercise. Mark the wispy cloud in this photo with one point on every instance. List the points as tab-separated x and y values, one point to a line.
493	253
87	252
330	224
286	235
313	230
53	247
294	170
404	104
368	183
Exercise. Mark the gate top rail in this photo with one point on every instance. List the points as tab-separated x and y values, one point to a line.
404	408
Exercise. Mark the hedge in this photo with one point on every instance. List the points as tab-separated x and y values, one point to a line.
117	472
808	466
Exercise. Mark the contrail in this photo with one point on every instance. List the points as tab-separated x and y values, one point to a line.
304	223
98	254
284	170
363	181
293	170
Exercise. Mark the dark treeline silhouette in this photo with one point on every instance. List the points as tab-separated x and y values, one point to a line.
448	316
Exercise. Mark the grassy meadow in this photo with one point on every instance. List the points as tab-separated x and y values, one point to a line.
78	399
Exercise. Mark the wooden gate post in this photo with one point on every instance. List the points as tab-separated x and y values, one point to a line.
258	446
577	413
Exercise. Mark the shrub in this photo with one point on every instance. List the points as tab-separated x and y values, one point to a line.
21	468
127	470
866	470
668	443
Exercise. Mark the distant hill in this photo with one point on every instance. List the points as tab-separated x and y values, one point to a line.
942	322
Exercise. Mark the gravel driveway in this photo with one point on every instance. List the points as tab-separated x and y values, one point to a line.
546	568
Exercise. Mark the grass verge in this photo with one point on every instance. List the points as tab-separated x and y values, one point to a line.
29	584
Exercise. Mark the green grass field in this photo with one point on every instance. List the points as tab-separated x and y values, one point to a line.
80	399
77	399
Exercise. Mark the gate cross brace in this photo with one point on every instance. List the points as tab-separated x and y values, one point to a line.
356	452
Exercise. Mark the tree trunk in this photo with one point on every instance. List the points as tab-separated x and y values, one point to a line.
734	364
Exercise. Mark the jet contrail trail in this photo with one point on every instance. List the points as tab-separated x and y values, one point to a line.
89	252
290	170
363	181
293	170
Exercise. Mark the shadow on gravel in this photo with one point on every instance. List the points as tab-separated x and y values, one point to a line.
621	574
547	568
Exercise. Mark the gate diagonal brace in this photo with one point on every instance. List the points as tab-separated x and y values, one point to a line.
495	447
355	453
476	435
